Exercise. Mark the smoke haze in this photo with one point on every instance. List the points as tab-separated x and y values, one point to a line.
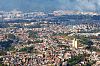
50	5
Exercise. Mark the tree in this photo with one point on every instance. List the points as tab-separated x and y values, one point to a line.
11	36
32	34
2	53
6	44
0	64
75	59
12	48
86	41
27	49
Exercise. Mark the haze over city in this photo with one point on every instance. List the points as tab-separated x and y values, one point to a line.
50	5
49	32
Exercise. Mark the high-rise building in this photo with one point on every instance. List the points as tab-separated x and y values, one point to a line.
75	43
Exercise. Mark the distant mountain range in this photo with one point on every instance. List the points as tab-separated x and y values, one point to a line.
50	5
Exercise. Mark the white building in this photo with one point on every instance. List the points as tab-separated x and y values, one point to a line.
75	43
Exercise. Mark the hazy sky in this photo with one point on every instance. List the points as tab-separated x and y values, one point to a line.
50	5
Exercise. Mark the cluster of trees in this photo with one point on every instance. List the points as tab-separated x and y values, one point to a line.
2	53
11	36
27	49
6	44
33	34
75	60
94	49
1	65
86	41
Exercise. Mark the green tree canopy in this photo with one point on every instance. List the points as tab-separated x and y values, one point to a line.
86	41
11	36
33	34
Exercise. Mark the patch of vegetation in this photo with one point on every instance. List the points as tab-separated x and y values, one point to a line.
2	53
33	34
1	65
94	49
75	60
27	49
11	36
86	41
6	44
11	48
